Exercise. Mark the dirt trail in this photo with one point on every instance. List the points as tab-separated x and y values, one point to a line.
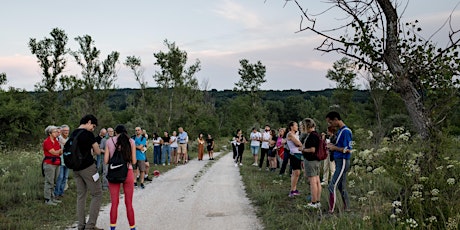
199	195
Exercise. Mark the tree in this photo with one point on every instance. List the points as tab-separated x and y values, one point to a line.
178	83
134	63
251	78
344	74
425	76
50	53
98	76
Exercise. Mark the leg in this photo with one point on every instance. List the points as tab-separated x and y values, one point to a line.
95	190
128	188
338	174
114	189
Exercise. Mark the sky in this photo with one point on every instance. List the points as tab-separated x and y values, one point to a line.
217	32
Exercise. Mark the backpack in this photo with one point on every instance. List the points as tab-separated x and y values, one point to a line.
117	167
73	158
321	152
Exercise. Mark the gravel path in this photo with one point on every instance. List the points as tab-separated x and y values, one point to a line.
199	195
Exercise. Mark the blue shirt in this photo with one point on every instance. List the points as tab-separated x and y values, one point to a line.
182	138
344	140
140	141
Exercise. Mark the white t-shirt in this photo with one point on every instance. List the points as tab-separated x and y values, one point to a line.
257	136
173	140
265	140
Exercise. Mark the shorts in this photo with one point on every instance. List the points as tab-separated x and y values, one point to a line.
254	149
140	165
295	162
271	153
182	148
209	148
312	168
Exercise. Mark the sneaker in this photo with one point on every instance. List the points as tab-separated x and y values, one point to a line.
50	202
142	186
313	206
163	164
291	194
56	201
255	164
323	183
147	179
135	184
241	164
236	165
296	192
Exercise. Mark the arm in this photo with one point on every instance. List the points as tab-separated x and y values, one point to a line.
295	140
133	153
106	154
96	149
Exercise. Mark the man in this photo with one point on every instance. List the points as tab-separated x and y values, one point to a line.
63	170
265	146
255	144
87	177
342	153
99	138
110	134
183	140
140	141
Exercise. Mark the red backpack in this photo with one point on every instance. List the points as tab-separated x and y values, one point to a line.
321	152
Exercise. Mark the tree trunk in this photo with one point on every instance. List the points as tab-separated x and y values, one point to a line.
403	86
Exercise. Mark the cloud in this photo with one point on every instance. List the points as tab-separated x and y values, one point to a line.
21	71
237	13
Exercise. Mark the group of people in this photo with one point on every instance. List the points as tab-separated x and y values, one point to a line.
297	145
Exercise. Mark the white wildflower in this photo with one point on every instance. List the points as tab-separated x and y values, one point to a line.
398	210
369	134
371	192
432	219
412	223
392	216
434	198
423	179
362	199
417	187
434	192
450	166
440	167
366	218
396	203
369	168
451	181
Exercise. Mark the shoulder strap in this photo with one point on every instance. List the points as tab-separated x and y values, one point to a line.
341	131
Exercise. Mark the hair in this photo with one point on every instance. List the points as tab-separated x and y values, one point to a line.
64	126
253	128
333	115
308	123
155	135
273	133
50	129
88	117
123	143
237	131
290	124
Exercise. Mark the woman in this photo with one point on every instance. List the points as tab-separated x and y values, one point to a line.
240	141
272	151
52	152
201	141
156	149
174	146
210	147
295	156
312	163
127	147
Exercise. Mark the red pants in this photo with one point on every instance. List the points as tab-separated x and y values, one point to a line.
128	188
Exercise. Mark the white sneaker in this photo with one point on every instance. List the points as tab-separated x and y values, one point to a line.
241	164
255	164
163	164
324	183
311	205
236	165
50	202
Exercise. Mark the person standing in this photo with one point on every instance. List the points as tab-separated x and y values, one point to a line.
87	177
156	149
183	140
140	141
295	156
341	151
329	164
240	141
105	182
210	147
265	147
255	144
63	170
174	146
312	163
99	138
201	142
166	149
271	155
127	147
51	162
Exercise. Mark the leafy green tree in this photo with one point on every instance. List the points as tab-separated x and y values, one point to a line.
178	84
134	63
50	53
252	76
344	74
98	77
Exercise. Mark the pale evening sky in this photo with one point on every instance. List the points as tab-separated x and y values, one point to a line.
219	33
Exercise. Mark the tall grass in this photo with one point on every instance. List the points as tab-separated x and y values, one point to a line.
388	189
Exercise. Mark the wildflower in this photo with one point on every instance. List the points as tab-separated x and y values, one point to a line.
392	216
434	198
369	168
451	181
362	199
440	167
396	203
351	184
366	218
450	166
416	194
432	219
423	179
434	192
398	210
371	192
417	187
369	134
412	223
